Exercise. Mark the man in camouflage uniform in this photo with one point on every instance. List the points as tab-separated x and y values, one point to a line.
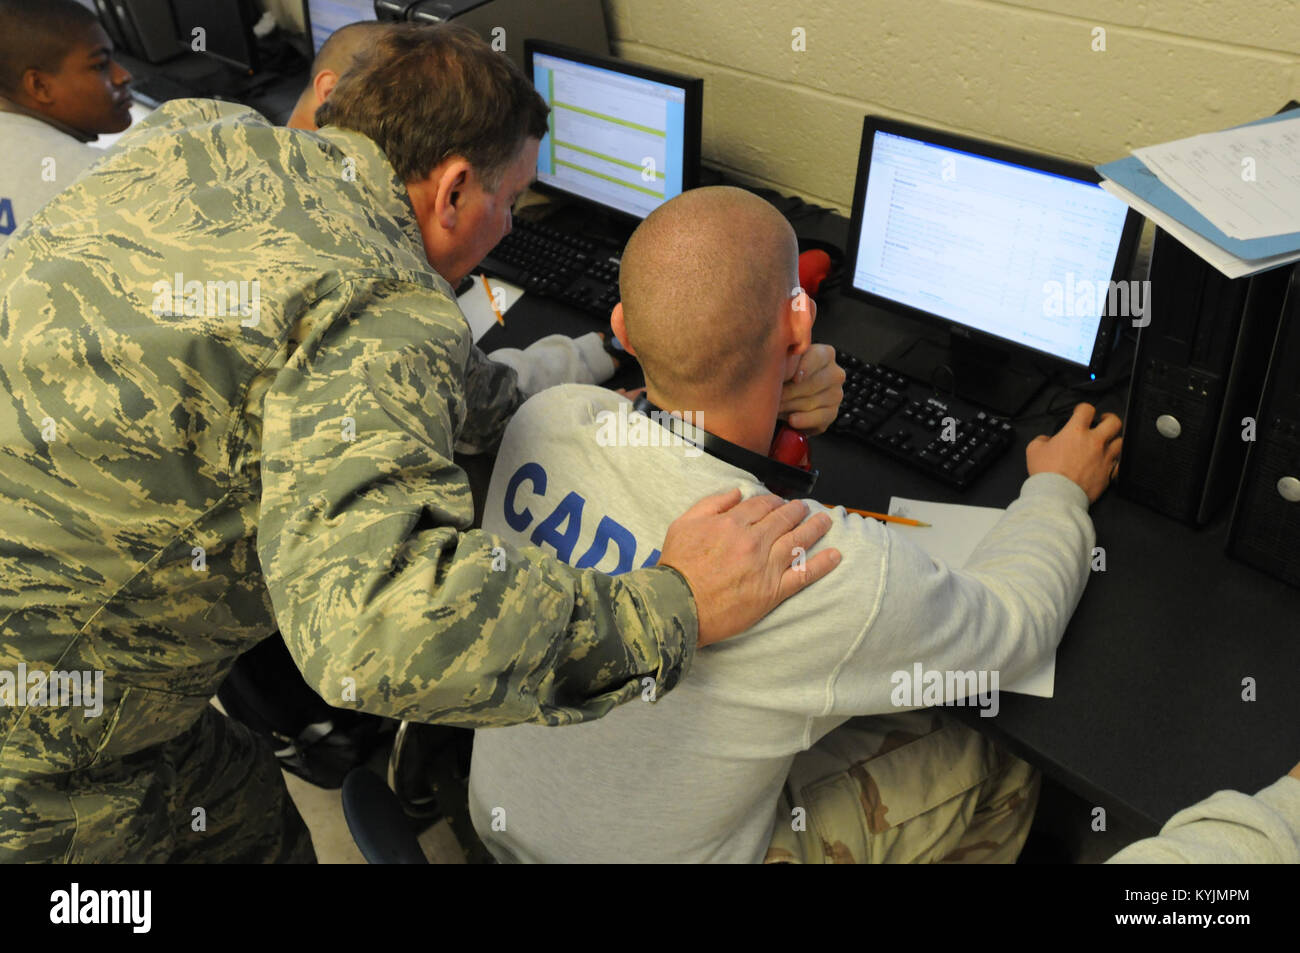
233	386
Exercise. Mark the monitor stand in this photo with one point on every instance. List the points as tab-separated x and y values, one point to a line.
984	375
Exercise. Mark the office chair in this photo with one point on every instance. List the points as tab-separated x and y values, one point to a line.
428	772
377	822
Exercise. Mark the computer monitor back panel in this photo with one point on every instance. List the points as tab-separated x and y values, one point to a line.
147	28
623	137
1007	248
506	24
1265	530
227	30
1198	370
108	19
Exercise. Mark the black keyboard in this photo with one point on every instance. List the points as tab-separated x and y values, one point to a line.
948	438
542	260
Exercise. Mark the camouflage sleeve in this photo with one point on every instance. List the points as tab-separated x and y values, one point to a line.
493	394
385	602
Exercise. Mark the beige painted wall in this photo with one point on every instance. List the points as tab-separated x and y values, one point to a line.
1018	71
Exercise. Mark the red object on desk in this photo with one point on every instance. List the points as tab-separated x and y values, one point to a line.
814	266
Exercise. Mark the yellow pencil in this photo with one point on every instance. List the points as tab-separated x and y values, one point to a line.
492	301
885	517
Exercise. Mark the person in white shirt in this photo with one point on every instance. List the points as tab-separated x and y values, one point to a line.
1228	827
60	88
763	755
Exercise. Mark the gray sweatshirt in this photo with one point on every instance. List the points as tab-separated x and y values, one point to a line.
695	775
1228	827
40	161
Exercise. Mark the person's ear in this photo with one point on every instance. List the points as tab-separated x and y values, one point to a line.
37	87
323	84
619	327
449	198
800	313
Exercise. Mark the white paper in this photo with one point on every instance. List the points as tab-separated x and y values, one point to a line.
954	532
1225	261
476	304
1246	181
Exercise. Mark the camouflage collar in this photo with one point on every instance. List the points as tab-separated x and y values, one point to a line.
359	155
9	106
341	152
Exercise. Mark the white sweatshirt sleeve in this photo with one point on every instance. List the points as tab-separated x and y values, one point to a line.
1004	611
558	359
1228	827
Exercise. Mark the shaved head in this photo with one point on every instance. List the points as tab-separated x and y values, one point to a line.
703	281
337	55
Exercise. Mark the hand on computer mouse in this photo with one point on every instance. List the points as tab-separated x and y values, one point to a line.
1086	453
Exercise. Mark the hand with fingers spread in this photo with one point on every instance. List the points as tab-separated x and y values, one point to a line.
737	558
1084	451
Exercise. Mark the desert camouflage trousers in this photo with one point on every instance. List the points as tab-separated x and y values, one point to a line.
214	794
913	787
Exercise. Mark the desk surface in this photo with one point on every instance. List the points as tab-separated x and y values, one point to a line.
1148	715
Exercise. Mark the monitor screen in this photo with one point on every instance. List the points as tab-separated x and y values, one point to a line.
622	136
326	16
1003	247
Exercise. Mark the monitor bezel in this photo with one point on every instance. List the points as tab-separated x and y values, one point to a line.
693	87
1125	254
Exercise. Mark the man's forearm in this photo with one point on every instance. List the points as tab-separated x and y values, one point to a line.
492	395
558	359
471	633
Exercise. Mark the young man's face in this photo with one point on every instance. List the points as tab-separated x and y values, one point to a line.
90	92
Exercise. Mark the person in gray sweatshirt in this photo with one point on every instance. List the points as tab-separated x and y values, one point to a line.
791	742
60	88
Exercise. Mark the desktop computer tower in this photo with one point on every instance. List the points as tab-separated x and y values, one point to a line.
1265	530
576	23
1198	370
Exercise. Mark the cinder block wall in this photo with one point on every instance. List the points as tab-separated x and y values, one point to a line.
1030	73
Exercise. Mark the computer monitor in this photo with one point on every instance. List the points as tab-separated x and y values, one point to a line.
622	136
1013	253
326	16
227	27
